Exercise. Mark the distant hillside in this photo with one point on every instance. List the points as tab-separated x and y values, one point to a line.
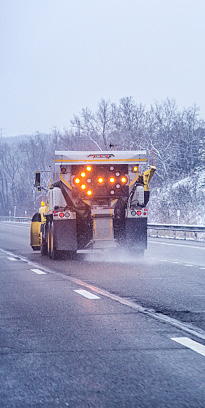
14	139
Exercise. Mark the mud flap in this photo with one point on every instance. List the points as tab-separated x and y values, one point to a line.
65	235
136	233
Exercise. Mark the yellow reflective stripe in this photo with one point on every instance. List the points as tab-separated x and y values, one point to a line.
86	201
64	181
113	202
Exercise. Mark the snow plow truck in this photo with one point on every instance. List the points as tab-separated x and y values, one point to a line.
95	201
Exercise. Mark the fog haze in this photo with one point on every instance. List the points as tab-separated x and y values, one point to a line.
60	56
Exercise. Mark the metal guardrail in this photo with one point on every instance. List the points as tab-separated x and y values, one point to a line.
191	230
14	219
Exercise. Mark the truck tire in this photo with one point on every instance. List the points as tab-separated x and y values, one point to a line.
44	248
35	248
53	251
49	240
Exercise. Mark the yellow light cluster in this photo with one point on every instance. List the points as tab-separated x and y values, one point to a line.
78	180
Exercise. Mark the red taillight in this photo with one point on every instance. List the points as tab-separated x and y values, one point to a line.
61	215
139	212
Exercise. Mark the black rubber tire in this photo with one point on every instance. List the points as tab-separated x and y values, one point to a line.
53	252
49	240
36	248
44	248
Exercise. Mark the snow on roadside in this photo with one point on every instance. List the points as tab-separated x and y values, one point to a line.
186	195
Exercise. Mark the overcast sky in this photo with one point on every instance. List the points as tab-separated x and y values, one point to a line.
58	56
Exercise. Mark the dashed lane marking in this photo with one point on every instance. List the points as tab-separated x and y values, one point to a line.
193	345
11	258
87	294
38	271
188	328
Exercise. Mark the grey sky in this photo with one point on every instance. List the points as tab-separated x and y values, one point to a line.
58	56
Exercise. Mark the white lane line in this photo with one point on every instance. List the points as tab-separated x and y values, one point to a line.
202	268
178	245
193	345
189	265
38	271
87	294
11	258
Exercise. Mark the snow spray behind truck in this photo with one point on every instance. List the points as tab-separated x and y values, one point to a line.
96	200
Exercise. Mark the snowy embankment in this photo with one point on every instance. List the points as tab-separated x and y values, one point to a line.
186	195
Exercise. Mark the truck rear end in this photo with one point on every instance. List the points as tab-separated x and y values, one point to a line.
97	200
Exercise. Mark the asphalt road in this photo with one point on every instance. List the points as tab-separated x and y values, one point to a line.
138	340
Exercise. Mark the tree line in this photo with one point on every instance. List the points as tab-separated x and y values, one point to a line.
175	137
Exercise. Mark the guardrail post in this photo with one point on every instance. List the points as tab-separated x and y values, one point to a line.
185	235
175	234
195	236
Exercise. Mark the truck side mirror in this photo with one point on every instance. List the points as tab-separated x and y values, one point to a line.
37	179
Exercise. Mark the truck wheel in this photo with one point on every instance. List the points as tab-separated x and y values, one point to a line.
44	249
35	248
49	240
53	252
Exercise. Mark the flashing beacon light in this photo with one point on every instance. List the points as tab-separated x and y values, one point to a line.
89	192
135	168
76	180
82	174
112	180
123	179
42	204
100	180
83	186
88	168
